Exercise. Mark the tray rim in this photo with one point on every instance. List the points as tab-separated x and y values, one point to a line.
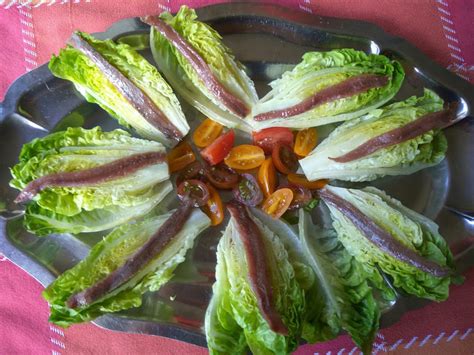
356	28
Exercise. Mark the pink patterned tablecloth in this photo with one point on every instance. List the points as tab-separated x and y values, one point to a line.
32	30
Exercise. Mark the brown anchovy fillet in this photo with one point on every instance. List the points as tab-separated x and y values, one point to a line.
435	120
132	93
259	278
381	238
140	259
233	103
110	171
349	87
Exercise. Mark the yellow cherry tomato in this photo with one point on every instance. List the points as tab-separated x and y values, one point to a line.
214	208
278	202
180	156
305	141
206	133
245	157
300	179
267	177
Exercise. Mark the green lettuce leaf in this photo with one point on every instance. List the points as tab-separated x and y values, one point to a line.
404	158
88	208
319	70
234	310
184	79
88	79
412	230
112	252
348	302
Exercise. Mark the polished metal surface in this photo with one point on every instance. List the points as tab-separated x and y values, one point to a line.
269	40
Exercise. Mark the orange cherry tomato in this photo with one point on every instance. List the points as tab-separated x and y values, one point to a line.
305	141
180	156
300	179
267	177
245	157
278	202
206	133
213	207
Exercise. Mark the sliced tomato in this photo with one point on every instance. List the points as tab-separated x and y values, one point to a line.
284	159
217	151
195	170
301	196
206	133
222	177
300	179
194	190
180	156
214	208
268	137
247	191
305	141
267	177
278	202
245	157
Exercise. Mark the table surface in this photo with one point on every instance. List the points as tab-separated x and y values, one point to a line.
31	33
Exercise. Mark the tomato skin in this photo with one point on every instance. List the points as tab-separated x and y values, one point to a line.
219	149
278	202
222	177
180	156
214	207
245	157
268	137
284	159
267	177
305	141
300	179
206	133
194	190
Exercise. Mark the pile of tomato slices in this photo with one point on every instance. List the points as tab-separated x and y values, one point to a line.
259	174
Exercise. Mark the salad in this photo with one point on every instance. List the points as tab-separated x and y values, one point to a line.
279	277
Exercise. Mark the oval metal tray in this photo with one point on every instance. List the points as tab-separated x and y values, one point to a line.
268	40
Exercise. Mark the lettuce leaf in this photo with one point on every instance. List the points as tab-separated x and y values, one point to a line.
109	254
184	79
234	311
88	208
404	158
319	70
348	301
411	229
72	65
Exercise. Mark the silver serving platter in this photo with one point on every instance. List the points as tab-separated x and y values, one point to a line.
269	40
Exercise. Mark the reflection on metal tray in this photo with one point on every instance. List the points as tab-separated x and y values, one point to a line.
269	40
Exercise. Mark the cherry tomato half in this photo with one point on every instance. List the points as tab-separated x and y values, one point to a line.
206	133
180	156
222	177
245	157
268	137
301	196
267	177
284	159
195	190
305	141
214	208
278	202
195	170
217	151
300	179
247	191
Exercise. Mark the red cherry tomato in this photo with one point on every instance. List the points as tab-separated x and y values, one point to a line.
195	190
217	151
284	158
268	137
222	177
